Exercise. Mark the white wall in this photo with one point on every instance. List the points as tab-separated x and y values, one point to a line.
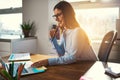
40	11
51	5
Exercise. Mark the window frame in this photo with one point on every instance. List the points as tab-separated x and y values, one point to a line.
11	10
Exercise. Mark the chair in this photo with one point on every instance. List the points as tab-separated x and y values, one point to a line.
106	46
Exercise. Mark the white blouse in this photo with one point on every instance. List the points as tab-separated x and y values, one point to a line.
76	47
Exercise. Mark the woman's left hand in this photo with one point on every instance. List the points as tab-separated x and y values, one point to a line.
40	63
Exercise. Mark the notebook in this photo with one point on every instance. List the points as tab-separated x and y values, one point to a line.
19	57
27	67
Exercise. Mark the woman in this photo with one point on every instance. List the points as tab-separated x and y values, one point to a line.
74	43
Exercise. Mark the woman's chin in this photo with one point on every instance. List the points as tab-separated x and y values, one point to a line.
60	25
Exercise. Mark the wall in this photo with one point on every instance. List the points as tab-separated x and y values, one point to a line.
40	11
51	5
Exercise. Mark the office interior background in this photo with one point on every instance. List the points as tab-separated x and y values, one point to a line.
96	17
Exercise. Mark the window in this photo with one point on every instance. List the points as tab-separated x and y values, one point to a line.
10	17
77	0
10	3
97	21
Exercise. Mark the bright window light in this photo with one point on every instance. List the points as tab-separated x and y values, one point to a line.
96	22
10	3
10	20
76	0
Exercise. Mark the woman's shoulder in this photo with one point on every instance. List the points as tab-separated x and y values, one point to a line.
78	30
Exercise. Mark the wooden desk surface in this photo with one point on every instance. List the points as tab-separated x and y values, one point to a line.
65	72
61	72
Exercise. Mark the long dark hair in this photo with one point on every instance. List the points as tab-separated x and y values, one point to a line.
68	13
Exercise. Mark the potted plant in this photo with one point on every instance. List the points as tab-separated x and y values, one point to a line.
26	27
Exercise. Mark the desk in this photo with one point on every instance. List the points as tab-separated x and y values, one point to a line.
96	72
61	72
64	72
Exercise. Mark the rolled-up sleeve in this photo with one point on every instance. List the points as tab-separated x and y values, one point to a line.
66	59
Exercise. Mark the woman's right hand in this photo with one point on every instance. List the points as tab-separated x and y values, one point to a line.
52	33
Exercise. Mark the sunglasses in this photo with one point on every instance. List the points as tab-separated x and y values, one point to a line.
57	15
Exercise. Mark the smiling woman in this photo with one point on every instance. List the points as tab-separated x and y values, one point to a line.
74	43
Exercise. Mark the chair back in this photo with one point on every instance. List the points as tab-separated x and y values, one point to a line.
106	45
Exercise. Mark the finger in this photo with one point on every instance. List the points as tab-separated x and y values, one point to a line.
52	33
33	65
37	64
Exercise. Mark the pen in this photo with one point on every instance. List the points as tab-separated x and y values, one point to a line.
9	69
19	71
12	68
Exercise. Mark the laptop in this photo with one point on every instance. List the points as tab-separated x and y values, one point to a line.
27	67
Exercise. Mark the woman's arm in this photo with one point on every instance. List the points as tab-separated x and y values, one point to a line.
66	59
59	47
